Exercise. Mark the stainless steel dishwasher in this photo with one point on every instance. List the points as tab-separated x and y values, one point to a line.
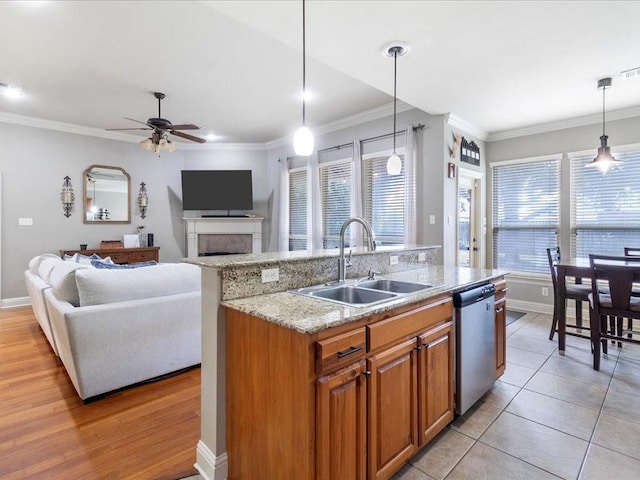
475	344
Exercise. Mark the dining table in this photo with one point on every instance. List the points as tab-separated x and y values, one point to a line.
579	269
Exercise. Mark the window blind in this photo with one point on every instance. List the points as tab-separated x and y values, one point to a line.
605	208
383	200
298	209
335	190
526	214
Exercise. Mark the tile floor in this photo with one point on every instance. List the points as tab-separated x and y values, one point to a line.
548	417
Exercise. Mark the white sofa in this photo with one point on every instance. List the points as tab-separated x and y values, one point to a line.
113	328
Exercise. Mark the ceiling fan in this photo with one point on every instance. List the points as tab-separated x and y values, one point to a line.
161	127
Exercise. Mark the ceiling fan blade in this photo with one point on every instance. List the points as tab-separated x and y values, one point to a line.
188	126
137	128
187	136
137	121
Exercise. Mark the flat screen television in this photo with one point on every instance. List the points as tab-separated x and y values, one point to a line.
217	190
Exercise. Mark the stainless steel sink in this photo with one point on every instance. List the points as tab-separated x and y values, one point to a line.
353	295
362	293
346	294
393	286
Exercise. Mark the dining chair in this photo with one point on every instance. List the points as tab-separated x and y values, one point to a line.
619	273
574	291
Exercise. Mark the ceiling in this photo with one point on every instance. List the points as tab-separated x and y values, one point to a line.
235	67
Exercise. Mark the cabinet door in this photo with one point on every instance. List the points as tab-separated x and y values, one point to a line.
341	425
435	381
501	336
392	409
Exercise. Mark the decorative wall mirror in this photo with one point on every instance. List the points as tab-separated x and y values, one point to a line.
106	195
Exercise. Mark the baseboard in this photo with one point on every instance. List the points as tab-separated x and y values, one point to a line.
208	465
15	302
523	306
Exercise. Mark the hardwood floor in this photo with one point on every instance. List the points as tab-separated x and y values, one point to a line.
46	432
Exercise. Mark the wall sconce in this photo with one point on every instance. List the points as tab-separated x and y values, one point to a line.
67	197
143	200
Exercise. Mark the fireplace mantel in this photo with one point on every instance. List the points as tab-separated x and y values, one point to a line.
223	226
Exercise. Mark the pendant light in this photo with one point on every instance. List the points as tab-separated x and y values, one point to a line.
303	139
604	160
395	50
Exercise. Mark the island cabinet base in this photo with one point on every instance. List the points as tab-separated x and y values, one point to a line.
353	402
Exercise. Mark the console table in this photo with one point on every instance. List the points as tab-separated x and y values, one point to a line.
121	255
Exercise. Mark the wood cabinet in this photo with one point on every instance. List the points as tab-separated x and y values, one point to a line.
353	402
341	424
122	255
435	367
501	326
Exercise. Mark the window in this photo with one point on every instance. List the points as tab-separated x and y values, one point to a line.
335	192
605	209
298	209
526	214
383	200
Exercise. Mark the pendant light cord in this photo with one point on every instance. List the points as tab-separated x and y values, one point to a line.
395	76
603	110
304	69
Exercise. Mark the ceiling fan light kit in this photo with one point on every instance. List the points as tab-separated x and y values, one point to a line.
162	128
395	50
604	160
303	138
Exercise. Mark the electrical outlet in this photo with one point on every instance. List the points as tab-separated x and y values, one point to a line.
270	275
422	277
432	219
545	291
25	221
422	257
393	260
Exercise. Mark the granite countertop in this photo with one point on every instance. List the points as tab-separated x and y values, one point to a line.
310	315
225	261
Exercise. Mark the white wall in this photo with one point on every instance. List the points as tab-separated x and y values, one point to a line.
431	170
564	141
34	162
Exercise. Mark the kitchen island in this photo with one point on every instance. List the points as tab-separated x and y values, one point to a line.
295	367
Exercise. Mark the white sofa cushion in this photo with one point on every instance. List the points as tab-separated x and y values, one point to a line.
63	282
99	286
35	262
46	267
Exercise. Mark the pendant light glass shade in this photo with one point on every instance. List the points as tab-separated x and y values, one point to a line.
303	138
394	164
603	160
303	141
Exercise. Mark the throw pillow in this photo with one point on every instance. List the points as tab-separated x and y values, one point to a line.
115	266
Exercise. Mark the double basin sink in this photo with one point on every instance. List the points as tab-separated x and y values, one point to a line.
363	293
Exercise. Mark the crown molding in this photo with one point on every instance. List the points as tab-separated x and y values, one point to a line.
64	127
457	122
562	124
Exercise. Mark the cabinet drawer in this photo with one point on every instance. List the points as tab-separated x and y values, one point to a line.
501	288
404	325
341	350
135	257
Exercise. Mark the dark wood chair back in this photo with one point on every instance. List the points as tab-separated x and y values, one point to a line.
553	254
619	273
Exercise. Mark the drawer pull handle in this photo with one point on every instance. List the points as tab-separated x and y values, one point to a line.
348	351
504	290
367	373
499	310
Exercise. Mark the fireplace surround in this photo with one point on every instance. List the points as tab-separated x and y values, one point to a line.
223	235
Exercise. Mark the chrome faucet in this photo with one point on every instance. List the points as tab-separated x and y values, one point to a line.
371	246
